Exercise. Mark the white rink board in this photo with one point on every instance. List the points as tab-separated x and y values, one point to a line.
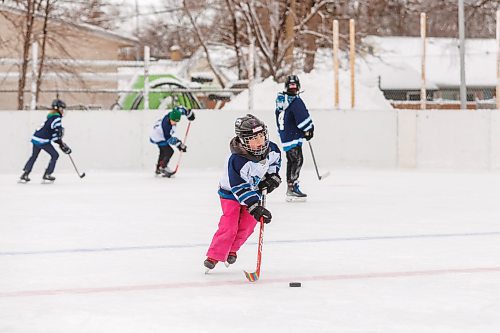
351	138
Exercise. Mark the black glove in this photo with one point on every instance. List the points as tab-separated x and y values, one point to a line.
259	212
309	134
270	182
182	147
64	147
190	115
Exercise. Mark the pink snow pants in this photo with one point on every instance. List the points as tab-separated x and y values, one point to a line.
235	226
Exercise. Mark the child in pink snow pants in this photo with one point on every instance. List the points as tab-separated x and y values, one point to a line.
235	226
252	167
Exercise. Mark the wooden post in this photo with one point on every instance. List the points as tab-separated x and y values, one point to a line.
498	59
146	78
423	36
336	99
290	35
251	63
34	65
461	37
352	53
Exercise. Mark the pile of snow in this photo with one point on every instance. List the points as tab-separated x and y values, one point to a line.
398	61
318	93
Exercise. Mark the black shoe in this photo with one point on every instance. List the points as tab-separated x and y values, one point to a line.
166	172
231	258
210	263
294	191
49	177
24	177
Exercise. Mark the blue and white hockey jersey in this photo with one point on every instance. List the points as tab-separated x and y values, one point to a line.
163	132
292	119
243	174
50	130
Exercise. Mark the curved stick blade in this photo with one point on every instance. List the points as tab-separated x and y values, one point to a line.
252	277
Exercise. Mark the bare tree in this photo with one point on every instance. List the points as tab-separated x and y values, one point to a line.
46	14
236	21
235	40
203	44
27	37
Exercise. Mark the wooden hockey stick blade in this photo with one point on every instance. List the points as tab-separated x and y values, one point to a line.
252	277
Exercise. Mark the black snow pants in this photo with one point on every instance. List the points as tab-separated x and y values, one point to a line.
166	153
295	159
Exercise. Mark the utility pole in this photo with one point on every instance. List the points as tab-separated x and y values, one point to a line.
137	31
290	35
461	36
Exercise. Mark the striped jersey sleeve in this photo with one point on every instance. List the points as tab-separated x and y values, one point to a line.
242	186
302	117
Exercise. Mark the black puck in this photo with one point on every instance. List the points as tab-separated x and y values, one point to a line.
295	284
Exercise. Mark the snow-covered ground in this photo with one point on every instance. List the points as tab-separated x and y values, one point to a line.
376	251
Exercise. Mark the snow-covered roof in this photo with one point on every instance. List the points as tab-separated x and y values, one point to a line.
404	78
88	27
398	61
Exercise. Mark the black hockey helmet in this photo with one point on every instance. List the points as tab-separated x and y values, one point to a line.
248	128
292	85
58	105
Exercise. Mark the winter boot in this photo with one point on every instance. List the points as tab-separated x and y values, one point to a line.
210	263
24	177
48	177
231	258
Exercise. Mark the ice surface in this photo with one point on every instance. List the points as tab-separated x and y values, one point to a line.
376	251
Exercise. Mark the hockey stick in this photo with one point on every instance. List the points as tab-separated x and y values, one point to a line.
252	277
316	165
170	174
79	175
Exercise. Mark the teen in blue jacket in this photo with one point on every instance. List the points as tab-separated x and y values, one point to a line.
294	126
50	131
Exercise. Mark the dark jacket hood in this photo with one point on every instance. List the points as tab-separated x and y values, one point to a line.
237	148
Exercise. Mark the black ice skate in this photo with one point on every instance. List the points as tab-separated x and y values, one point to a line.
47	177
209	264
166	172
231	259
295	194
24	177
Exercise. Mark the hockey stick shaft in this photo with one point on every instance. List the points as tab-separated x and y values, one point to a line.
316	164
74	166
314	160
180	153
252	277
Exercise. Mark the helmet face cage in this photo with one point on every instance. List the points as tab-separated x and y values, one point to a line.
292	84
248	128
246	138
